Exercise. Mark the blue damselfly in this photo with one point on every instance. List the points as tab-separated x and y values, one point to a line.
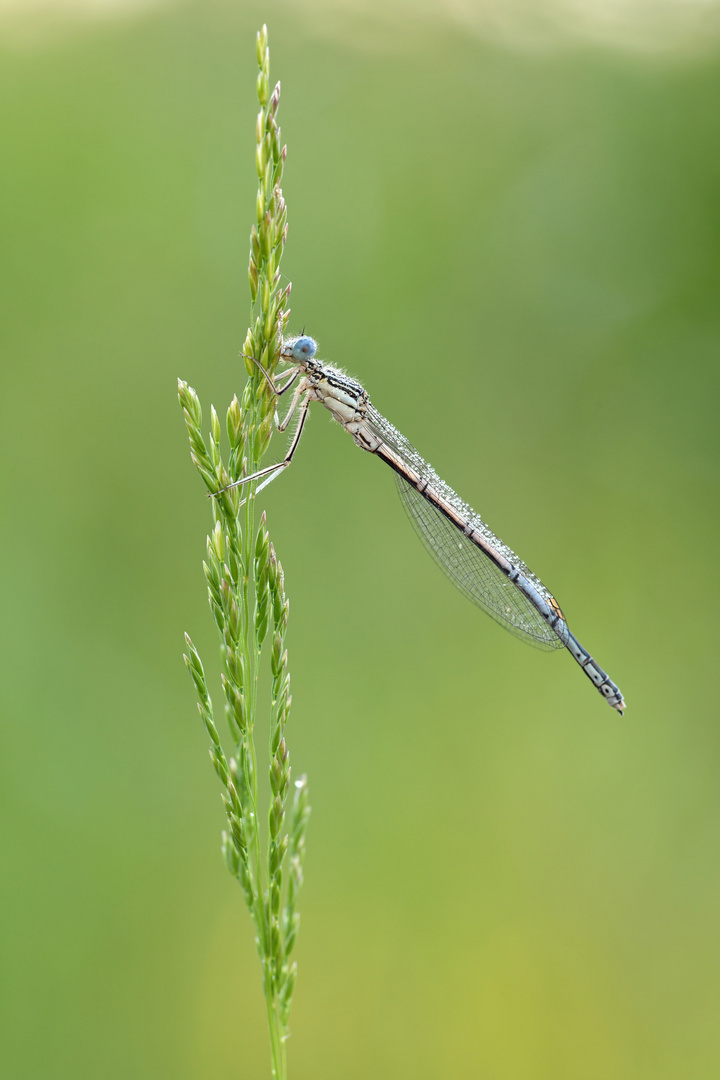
475	560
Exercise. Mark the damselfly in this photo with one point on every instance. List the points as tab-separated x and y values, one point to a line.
475	560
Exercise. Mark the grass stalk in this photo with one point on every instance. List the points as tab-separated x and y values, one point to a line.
246	591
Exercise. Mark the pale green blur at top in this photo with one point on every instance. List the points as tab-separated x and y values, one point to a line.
507	229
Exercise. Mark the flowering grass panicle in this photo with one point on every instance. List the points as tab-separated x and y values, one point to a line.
246	591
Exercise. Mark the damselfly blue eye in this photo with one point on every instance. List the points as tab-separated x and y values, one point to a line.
303	348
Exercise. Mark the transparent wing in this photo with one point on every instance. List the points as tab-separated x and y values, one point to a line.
474	574
467	566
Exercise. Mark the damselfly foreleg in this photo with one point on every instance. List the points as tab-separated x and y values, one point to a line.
276	388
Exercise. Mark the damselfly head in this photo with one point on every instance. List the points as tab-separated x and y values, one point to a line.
299	349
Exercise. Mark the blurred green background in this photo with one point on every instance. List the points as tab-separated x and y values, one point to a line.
509	232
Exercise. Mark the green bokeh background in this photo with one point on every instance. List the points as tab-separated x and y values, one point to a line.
516	250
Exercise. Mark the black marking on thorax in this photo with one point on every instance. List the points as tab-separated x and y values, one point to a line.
337	380
343	382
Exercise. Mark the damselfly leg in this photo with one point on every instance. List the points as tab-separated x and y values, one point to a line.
298	401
